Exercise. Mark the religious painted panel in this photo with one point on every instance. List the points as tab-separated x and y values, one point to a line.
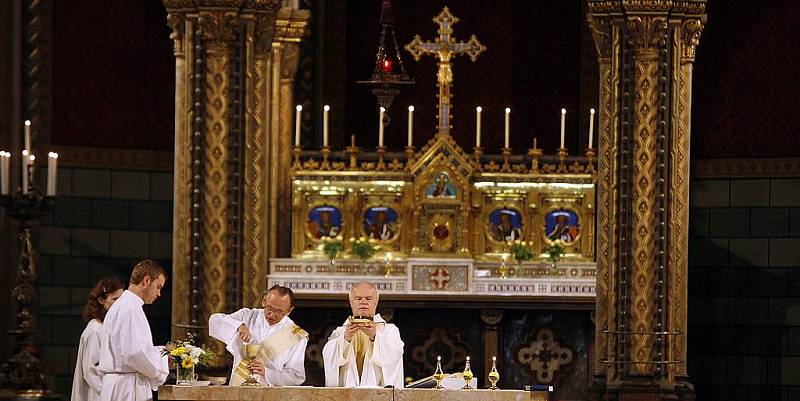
441	187
324	221
504	225
562	224
381	223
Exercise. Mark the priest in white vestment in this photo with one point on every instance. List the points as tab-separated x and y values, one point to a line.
132	367
280	361
365	351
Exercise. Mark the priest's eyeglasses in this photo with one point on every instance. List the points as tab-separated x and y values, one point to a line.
274	311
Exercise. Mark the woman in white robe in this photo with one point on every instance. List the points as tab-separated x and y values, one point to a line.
87	380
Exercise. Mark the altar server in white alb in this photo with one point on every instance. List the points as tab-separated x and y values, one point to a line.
132	367
365	351
87	380
283	343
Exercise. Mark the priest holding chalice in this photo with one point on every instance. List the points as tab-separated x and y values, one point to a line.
365	351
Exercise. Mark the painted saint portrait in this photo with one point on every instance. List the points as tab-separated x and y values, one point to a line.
380	223
505	225
562	224
324	221
441	187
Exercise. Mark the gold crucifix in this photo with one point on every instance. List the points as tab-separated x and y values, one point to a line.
445	48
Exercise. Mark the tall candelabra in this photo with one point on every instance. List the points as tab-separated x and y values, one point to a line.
22	375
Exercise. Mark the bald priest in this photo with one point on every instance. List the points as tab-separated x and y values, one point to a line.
365	351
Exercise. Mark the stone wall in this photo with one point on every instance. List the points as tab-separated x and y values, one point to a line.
744	289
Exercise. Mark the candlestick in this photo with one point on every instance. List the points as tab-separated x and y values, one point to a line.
25	162
297	117
325	111
478	111
591	126
508	114
410	126
5	159
28	135
52	164
380	126
563	116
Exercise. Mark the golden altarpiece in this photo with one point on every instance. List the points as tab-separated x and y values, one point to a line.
443	220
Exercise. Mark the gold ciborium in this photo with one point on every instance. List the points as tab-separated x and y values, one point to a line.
250	354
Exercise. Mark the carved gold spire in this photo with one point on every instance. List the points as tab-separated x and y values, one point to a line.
445	48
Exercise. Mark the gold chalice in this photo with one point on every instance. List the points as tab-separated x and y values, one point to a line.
250	354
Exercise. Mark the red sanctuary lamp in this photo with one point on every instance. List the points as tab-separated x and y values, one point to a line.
389	74
386	65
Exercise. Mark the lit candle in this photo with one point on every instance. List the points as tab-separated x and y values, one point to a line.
478	111
28	135
410	125
52	163
563	116
380	127
591	126
325	111
25	162
5	159
297	116
508	116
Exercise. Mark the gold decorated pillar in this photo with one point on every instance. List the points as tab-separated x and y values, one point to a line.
270	104
645	53
216	116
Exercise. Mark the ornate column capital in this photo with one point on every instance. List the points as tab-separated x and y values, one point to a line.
176	22
646	33
690	37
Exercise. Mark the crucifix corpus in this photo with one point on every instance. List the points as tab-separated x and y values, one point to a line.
445	48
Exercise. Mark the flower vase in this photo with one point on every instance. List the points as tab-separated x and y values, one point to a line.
184	376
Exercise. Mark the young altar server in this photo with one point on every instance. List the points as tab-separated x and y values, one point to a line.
365	351
87	380
280	360
132	367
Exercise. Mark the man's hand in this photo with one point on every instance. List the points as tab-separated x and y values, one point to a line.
350	330
244	333
257	367
369	330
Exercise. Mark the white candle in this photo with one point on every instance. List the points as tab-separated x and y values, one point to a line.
535	144
325	111
5	158
297	116
380	126
52	164
591	126
28	135
25	162
563	116
410	125
478	111
508	116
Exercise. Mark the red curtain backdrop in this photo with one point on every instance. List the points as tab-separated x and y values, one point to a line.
113	75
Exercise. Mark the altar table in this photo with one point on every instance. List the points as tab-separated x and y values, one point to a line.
304	393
